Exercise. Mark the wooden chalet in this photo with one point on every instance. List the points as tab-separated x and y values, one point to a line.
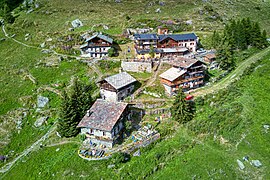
185	73
164	44
97	46
188	41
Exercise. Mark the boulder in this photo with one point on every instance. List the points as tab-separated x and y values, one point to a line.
39	122
76	23
3	158
189	22
137	153
266	126
46	51
42	45
256	163
105	27
42	101
110	166
240	164
158	10
161	3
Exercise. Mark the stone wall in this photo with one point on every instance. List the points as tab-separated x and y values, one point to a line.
137	66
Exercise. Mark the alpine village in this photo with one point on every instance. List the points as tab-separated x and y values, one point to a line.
124	89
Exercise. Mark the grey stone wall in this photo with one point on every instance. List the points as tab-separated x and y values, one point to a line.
137	66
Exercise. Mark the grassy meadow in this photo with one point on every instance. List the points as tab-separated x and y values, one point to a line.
205	148
228	125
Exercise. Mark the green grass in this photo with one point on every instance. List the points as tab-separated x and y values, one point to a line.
40	26
234	113
189	149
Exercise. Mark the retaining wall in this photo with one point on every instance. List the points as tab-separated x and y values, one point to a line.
137	66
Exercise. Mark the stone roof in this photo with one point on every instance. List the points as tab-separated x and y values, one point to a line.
178	37
103	115
172	74
146	36
101	36
182	62
120	80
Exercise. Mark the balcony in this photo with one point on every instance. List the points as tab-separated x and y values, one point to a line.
101	138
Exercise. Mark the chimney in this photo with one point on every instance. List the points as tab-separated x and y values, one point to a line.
88	113
120	70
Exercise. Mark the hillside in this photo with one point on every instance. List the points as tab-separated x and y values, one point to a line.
207	147
230	115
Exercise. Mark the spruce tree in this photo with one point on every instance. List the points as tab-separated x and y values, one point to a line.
182	111
67	117
264	42
73	108
215	40
256	35
225	57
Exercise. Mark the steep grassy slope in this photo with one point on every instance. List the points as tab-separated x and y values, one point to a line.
208	147
54	17
188	150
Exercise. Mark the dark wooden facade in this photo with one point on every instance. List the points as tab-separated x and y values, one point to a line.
192	78
98	42
105	85
168	43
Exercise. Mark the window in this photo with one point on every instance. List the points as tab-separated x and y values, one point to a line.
103	133
91	131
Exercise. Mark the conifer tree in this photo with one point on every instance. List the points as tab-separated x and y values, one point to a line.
264	42
256	35
67	117
225	57
215	40
182	111
73	107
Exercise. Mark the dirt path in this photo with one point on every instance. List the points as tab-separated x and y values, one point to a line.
234	75
61	143
34	146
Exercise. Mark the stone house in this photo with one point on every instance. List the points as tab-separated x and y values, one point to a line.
104	122
185	73
96	46
117	87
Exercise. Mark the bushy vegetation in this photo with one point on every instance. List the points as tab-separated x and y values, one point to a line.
109	66
237	35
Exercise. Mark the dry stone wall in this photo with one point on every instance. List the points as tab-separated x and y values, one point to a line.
137	66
